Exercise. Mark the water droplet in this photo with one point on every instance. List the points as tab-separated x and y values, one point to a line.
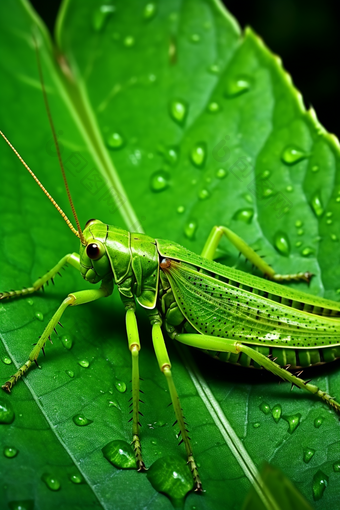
256	425
318	422
316	204
81	421
308	453
289	188
120	386
171	475
6	412
214	69
281	243
10	452
298	244
293	422
30	301
307	251
248	197
101	15
315	168
195	38
336	467
334	237
199	154
159	180
113	403
337	199
300	232
149	10
180	209
67	341
120	454
221	173
129	41
84	363
203	194
298	223
246	215
51	481
276	412
178	110
115	141
236	87
76	478
291	155
39	316
267	193
213	107
70	373
320	482
265	174
6	360
170	154
265	408
329	222
190	229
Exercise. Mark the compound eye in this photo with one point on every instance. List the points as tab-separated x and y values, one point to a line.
89	222
93	251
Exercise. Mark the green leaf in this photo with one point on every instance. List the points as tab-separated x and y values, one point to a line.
171	120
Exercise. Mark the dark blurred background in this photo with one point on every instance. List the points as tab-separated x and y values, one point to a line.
304	33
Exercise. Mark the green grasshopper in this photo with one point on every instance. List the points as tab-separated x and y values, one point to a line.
236	317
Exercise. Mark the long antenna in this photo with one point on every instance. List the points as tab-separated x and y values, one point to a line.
41	186
80	232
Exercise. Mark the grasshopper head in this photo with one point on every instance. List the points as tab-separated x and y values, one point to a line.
94	262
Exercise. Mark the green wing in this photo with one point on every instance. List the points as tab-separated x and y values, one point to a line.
169	249
214	307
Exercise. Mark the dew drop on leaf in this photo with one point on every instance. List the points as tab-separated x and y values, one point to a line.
320	482
292	155
318	422
51	481
120	386
6	412
171	475
214	69
10	452
203	194
281	243
336	467
267	192
39	316
190	229
276	412
81	421
120	454
315	168
298	223
129	41
70	373
115	141
300	232
307	251
236	87
67	341
101	15
256	425
316	204
76	478
246	215
159	180
180	209
265	408
308	453
149	10
27	504
221	173
178	110
84	363
293	422
6	360
334	237
30	301
213	107
195	38
265	174
198	154
298	244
